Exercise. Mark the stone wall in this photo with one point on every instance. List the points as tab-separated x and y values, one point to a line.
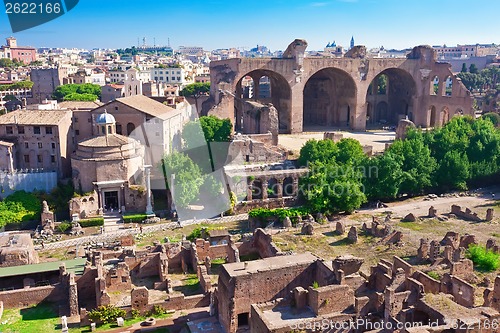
328	299
264	243
33	296
431	285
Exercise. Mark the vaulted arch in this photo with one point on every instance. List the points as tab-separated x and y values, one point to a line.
329	98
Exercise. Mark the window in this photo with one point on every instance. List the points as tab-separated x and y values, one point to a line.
89	120
77	132
9	130
53	158
157	133
76	119
53	145
26	145
20	129
48	130
39	158
116	108
161	78
40	145
26	158
178	78
36	130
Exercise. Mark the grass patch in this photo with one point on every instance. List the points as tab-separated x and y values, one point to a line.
250	257
40	318
434	275
495	234
484	260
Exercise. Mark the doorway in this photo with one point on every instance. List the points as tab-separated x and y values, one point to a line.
111	200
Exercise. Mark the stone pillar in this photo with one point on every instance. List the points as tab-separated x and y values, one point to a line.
73	296
489	214
149	207
265	184
295	186
249	190
100	195
279	187
357	119
256	87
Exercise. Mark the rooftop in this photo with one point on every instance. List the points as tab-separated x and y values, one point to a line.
148	106
256	266
35	117
110	140
73	266
79	105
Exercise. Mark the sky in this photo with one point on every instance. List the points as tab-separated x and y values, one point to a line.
215	24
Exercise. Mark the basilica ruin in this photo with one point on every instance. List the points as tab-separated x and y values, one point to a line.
296	93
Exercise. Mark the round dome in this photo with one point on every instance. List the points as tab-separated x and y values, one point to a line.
105	118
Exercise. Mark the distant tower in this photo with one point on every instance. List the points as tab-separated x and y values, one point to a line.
352	42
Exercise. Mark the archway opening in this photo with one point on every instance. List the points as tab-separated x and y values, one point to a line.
434	86
253	91
444	116
329	99
448	86
433	122
288	187
390	97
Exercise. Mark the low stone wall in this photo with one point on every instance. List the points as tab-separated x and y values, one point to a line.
32	296
271	203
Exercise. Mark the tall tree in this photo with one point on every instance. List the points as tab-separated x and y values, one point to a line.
464	68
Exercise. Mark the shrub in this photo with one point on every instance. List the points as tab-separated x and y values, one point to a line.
485	260
159	310
434	275
134	218
63	227
315	285
106	314
95	222
134	313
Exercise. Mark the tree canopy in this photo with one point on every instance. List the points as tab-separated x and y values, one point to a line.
77	92
194	89
464	151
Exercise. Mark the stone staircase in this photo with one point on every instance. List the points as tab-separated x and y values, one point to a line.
112	222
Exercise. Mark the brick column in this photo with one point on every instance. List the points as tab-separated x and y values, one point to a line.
279	187
264	188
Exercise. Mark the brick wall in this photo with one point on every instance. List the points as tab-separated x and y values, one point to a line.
329	299
33	296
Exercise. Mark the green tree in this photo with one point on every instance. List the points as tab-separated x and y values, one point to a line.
196	90
188	178
473	68
80	97
417	164
453	171
329	188
464	68
6	62
318	151
87	88
350	151
382	177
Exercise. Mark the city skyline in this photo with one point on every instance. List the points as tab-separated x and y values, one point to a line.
222	24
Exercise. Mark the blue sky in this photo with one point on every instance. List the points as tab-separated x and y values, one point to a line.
274	23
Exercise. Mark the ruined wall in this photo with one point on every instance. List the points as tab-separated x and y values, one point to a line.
463	292
33	296
328	299
86	288
430	285
264	243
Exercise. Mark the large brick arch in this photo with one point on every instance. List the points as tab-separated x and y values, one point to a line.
279	97
328	98
293	73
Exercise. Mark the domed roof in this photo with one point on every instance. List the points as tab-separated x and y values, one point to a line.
105	118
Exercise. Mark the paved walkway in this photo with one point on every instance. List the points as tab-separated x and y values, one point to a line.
117	233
